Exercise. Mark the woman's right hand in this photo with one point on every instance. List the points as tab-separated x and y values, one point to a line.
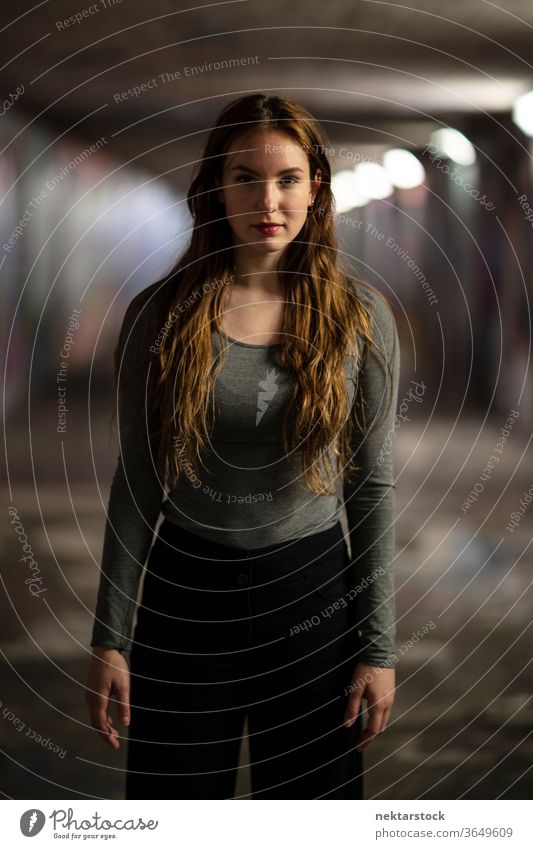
109	676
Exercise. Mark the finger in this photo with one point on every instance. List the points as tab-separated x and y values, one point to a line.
352	709
373	727
107	731
354	702
101	715
385	719
364	740
100	719
375	717
110	737
366	736
122	692
103	724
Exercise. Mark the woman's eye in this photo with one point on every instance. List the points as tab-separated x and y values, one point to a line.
245	178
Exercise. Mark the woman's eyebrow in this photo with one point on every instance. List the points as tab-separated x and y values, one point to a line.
251	171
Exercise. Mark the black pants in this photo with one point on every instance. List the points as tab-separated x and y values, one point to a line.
224	633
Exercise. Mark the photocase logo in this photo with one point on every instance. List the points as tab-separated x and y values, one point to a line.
268	390
31	822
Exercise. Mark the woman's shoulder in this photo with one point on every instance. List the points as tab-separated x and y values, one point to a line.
140	326
369	295
143	304
384	322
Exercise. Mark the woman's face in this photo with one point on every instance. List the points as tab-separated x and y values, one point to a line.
266	179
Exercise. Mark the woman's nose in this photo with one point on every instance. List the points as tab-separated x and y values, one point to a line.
267	196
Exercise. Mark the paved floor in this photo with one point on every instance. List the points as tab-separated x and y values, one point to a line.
463	718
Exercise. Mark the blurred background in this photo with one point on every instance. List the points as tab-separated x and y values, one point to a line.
429	114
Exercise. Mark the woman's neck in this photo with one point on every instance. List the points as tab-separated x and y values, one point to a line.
257	274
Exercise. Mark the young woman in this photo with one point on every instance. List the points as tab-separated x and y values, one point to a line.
257	387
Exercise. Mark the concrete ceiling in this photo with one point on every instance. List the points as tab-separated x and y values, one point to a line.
372	71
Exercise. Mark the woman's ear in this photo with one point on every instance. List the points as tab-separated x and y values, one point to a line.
315	183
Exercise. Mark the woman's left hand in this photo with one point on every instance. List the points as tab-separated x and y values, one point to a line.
376	685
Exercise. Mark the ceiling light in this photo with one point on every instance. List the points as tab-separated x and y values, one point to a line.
523	113
372	180
454	145
404	170
347	191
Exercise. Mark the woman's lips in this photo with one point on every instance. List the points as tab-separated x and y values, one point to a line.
268	229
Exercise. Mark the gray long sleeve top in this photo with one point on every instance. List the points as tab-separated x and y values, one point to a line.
250	497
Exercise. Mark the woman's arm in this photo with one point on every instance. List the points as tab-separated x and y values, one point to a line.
370	498
136	492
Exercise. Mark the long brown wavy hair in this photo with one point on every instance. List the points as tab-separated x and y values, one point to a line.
323	320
